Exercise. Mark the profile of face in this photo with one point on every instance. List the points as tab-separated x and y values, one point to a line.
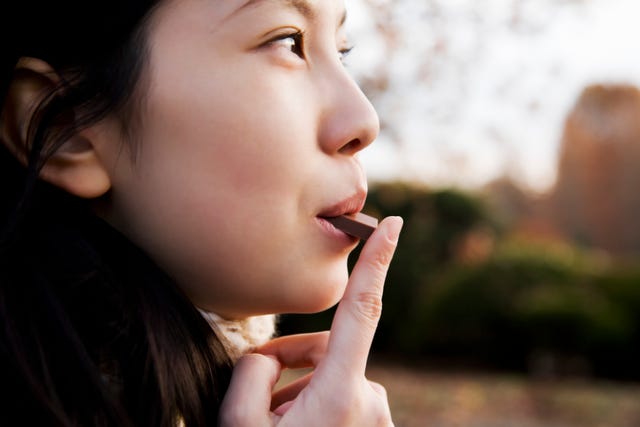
249	134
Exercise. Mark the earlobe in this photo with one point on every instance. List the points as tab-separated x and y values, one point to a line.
76	166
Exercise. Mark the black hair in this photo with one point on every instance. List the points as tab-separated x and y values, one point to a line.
92	332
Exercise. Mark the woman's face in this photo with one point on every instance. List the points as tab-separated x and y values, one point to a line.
249	136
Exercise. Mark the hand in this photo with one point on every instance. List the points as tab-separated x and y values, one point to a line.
337	392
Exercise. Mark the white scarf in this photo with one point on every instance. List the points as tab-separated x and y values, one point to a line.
241	336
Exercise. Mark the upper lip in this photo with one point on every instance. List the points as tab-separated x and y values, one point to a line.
351	205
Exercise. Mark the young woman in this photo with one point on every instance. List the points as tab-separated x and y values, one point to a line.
167	171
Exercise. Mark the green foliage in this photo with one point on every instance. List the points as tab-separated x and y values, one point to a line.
522	299
511	306
432	221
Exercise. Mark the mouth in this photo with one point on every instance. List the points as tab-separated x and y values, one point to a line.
348	206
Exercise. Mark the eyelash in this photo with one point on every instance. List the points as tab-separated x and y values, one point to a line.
297	45
343	53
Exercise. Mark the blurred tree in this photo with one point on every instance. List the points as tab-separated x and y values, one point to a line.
438	49
440	226
460	291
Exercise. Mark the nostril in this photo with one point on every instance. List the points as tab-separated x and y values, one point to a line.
351	147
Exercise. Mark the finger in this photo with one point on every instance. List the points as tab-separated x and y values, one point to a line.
290	391
357	316
297	351
282	409
248	398
379	389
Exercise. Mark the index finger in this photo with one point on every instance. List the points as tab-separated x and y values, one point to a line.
356	318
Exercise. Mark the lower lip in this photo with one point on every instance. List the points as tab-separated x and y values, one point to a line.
332	231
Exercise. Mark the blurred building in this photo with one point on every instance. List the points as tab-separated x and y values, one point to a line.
596	200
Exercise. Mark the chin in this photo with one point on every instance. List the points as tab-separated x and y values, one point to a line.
323	293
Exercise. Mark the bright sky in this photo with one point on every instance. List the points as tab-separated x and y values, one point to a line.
496	99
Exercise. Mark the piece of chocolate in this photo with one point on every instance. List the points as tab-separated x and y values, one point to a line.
358	225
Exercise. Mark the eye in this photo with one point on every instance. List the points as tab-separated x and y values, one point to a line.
343	53
292	42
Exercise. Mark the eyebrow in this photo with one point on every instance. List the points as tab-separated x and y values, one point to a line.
303	7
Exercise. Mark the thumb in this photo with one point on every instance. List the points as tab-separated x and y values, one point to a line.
248	398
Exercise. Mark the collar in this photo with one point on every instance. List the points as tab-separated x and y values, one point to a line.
241	336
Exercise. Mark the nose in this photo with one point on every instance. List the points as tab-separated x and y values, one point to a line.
349	122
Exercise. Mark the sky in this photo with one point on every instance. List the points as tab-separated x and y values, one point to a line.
482	91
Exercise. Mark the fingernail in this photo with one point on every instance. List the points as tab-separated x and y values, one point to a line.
393	230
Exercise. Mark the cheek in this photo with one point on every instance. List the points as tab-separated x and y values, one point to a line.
221	198
247	136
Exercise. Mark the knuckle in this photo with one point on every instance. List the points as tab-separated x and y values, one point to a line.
378	264
381	415
347	409
379	388
379	410
251	360
344	410
359	406
368	306
383	420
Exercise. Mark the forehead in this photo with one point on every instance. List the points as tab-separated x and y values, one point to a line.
182	20
310	9
218	13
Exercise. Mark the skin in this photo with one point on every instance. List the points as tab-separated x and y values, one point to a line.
237	162
245	139
337	393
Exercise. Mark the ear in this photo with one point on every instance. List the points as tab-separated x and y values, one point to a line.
76	167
